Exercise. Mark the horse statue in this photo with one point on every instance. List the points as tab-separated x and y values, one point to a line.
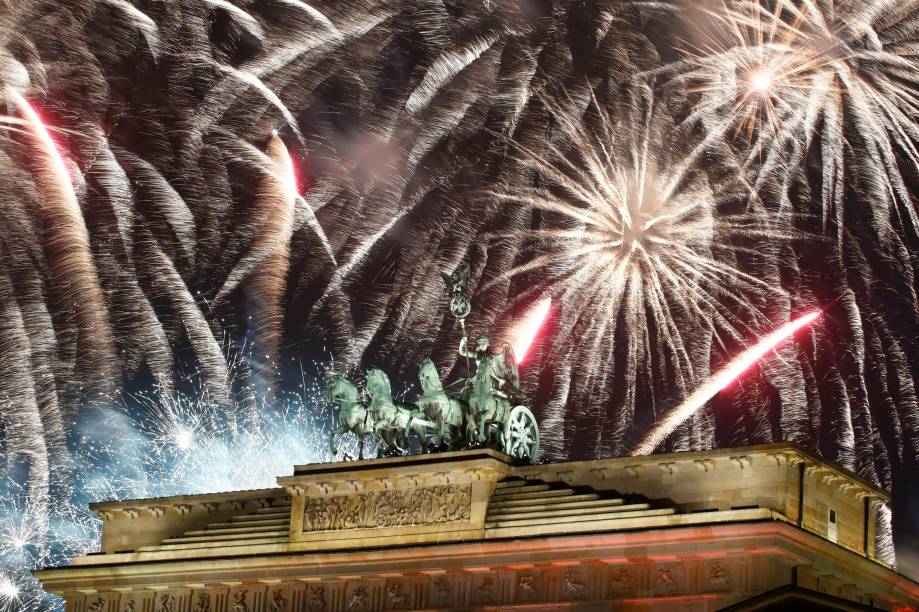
353	416
454	421
395	421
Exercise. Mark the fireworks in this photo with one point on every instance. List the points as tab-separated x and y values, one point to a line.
839	77
719	381
529	327
197	193
9	593
151	445
633	235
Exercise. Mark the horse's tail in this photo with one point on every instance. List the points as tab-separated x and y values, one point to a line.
408	426
367	415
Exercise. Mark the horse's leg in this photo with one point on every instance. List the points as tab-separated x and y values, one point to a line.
444	429
384	444
360	445
438	432
472	428
398	441
458	434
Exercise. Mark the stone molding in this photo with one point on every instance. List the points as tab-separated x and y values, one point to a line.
681	579
183	504
718	562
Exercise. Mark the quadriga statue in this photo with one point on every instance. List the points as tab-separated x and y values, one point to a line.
485	412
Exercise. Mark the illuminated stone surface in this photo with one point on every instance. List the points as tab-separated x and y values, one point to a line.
469	530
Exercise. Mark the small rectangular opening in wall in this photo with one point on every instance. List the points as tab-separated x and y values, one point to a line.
831	524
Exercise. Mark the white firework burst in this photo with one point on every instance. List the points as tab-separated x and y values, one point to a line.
151	445
631	241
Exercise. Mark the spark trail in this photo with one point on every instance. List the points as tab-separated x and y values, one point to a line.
721	379
529	327
73	278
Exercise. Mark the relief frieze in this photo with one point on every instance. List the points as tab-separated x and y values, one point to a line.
393	508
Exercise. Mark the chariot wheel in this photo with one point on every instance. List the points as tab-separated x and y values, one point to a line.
521	435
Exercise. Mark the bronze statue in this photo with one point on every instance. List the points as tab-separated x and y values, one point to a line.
487	410
460	303
353	416
493	387
395	421
455	423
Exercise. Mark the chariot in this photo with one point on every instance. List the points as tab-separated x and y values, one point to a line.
437	422
486	412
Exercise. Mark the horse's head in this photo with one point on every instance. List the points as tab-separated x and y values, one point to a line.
338	388
429	376
378	384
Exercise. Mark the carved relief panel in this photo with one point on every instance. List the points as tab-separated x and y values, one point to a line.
165	602
202	601
249	598
667	578
620	581
212	599
96	603
484	589
528	587
358	597
315	598
717	576
574	585
136	601
278	600
441	591
397	596
394	508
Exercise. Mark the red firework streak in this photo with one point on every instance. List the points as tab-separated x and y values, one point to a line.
723	378
529	327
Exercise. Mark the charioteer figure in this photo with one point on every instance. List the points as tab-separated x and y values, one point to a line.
498	369
494	386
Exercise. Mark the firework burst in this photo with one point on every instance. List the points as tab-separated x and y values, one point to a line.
634	237
837	78
151	444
